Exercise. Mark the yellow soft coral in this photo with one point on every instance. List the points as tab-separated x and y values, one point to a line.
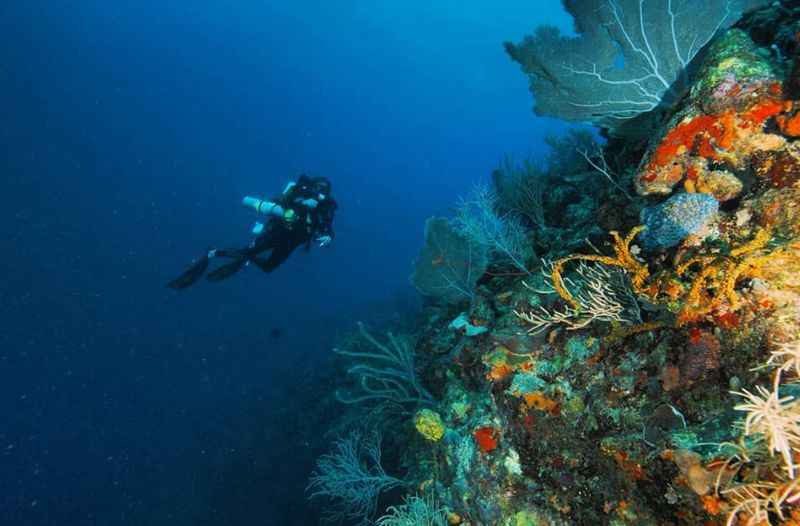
721	274
713	286
623	258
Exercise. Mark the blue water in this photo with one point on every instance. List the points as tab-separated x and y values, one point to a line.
129	133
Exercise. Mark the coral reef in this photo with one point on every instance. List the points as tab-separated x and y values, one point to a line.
649	380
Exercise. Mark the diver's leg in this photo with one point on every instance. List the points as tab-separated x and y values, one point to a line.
234	253
227	270
276	258
260	244
193	273
242	256
280	253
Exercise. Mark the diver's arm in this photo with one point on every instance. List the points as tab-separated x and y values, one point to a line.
324	230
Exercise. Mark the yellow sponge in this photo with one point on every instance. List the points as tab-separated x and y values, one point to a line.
429	424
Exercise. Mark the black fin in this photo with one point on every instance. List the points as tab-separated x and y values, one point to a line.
190	277
227	270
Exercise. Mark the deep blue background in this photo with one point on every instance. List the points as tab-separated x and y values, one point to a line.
129	133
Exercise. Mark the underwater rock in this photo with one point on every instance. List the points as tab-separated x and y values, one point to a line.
779	210
735	70
698	479
481	310
661	423
675	219
793	82
722	184
702	357
463	322
724	122
502	362
789	123
779	169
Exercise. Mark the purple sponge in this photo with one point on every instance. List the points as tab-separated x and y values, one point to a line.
675	219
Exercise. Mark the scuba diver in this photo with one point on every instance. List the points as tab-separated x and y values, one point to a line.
301	214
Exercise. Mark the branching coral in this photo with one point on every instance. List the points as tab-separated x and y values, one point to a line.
384	373
713	286
637	271
415	511
449	264
596	158
352	477
775	417
520	189
502	236
602	294
755	501
787	357
773	422
721	274
564	157
771	428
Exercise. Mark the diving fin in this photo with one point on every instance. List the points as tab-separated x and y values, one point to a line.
190	277
227	270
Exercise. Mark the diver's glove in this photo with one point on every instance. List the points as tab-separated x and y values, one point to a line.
263	207
324	241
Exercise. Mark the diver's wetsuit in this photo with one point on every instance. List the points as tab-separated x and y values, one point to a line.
281	236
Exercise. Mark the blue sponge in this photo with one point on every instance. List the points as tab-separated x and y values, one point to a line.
675	219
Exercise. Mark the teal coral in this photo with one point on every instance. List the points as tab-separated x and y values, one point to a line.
449	264
415	511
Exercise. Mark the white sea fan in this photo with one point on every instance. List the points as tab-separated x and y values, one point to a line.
776	418
787	357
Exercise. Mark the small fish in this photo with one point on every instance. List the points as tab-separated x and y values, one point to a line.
276	333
